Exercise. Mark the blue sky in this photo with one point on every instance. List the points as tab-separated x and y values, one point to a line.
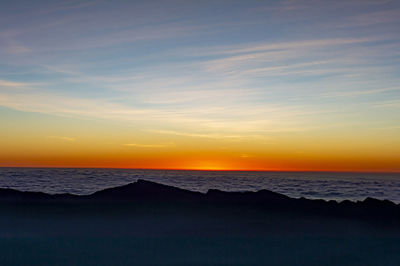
206	69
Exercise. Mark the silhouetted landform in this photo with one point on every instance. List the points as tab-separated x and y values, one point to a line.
147	192
150	223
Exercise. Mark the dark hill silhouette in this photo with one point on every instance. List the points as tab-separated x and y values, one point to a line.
147	192
148	223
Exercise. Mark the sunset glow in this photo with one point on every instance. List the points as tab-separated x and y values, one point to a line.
204	85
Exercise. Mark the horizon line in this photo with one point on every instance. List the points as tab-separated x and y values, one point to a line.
209	170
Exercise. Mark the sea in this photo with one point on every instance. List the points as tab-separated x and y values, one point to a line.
313	185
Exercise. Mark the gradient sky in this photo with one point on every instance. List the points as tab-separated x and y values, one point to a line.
261	85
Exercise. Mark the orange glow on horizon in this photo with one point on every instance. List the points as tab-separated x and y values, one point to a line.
156	95
200	154
202	166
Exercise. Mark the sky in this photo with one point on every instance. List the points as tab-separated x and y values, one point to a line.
292	85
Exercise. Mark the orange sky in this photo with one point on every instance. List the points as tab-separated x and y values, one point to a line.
246	85
67	142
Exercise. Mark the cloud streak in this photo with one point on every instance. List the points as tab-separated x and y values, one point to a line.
138	145
250	71
361	92
61	138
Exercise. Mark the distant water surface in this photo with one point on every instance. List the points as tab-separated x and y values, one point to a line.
337	186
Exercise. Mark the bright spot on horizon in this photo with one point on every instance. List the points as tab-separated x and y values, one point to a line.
210	85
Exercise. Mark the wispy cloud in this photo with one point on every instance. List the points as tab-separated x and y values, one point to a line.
175	73
373	18
232	116
196	135
391	104
279	46
309	57
68	106
16	48
165	145
13	84
61	138
360	92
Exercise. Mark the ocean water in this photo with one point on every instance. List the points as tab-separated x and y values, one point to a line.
337	186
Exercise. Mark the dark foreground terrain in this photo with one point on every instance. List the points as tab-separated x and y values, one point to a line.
149	223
